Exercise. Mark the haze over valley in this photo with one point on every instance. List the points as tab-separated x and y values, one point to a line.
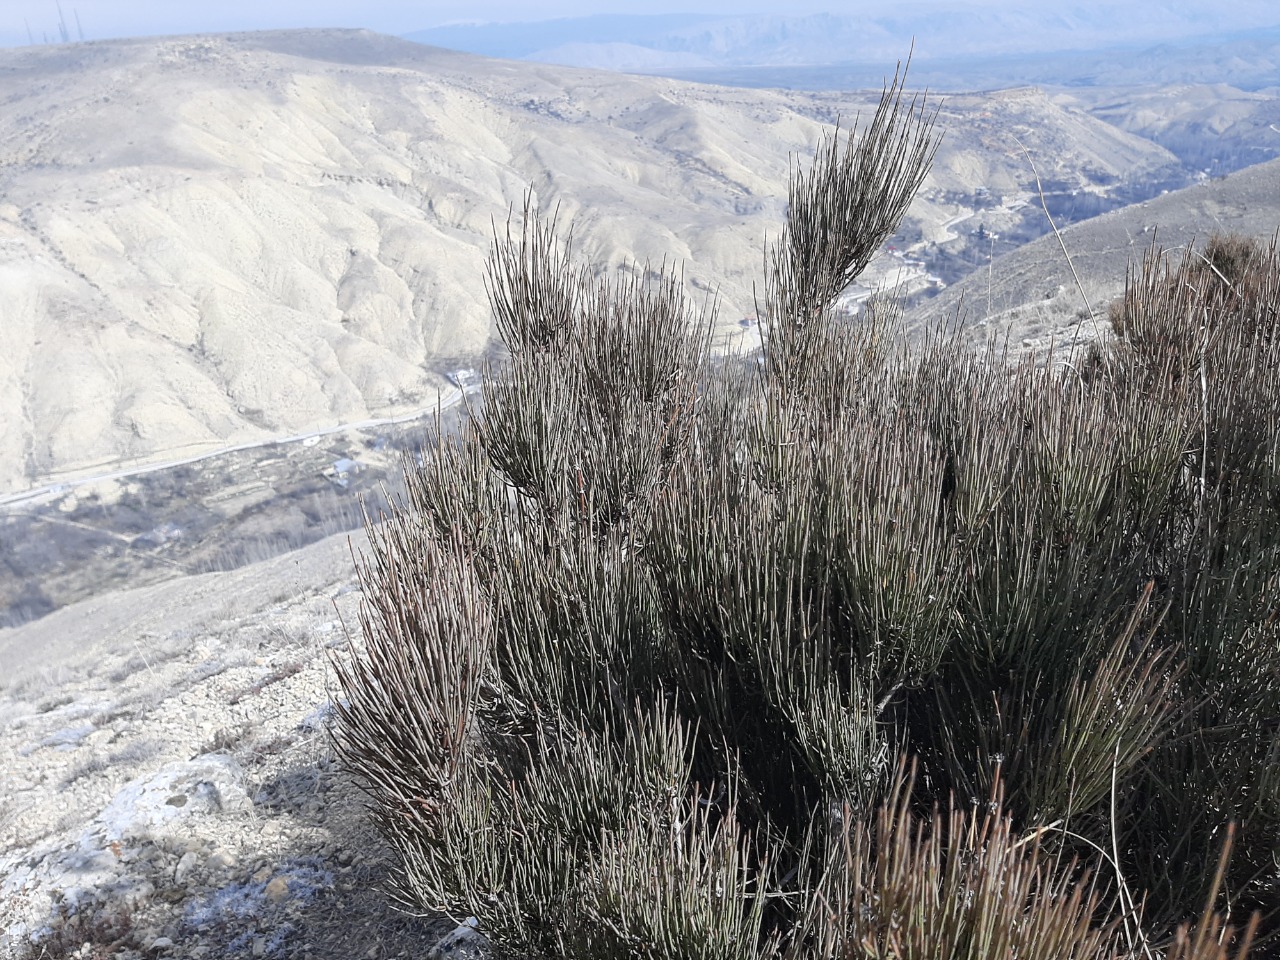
216	247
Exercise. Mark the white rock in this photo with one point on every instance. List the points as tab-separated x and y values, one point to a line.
220	860
464	942
146	807
187	864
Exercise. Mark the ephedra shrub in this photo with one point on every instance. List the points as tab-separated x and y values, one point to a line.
844	650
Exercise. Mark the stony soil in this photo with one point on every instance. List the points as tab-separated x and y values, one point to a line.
169	786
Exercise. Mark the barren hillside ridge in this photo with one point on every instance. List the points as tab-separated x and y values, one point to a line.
875	33
1031	292
1214	128
208	241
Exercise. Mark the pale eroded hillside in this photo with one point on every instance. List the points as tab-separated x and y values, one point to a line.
207	241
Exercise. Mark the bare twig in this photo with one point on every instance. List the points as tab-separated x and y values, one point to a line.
1062	243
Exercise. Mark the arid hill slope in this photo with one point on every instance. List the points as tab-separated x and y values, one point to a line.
1031	291
207	241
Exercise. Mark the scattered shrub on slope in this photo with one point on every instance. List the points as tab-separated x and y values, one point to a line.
645	642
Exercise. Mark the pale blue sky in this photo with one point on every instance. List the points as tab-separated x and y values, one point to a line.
117	18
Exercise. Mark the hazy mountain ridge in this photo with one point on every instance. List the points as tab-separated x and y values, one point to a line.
212	240
1152	68
1211	127
521	39
1086	43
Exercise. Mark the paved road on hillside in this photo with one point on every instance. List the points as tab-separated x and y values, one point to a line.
447	399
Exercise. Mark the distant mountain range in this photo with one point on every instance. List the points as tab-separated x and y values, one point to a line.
1031	293
956	47
215	240
1248	61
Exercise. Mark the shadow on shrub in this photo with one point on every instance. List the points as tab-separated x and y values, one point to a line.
645	640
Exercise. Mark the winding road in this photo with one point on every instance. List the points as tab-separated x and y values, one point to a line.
446	400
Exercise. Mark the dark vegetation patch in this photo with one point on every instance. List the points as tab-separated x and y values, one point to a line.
217	514
864	650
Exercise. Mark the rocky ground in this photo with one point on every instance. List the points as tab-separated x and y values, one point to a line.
169	787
